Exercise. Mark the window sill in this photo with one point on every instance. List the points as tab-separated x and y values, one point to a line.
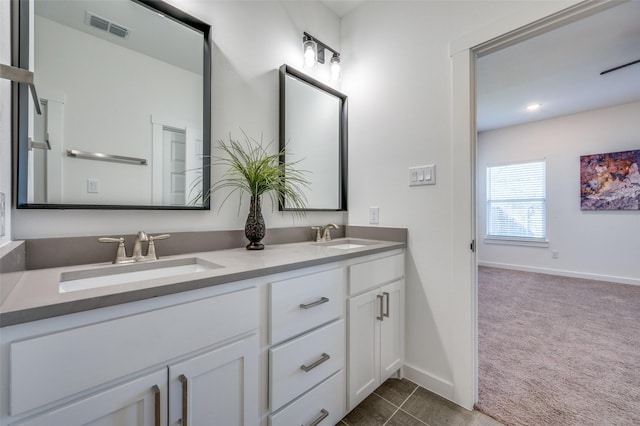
516	242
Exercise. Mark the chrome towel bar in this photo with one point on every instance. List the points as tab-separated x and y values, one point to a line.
106	157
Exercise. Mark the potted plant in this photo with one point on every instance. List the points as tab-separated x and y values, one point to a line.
252	169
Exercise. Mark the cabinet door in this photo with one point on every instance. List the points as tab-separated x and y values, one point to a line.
219	387
139	402
364	344
391	329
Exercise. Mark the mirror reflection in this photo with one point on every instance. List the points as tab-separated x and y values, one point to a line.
313	123
123	122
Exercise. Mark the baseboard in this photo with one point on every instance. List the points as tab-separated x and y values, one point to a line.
428	381
562	273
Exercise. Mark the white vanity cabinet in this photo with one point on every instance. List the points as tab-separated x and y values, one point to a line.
217	387
307	356
137	402
193	361
376	324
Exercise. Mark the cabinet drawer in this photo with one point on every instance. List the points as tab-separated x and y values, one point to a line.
321	352
326	401
363	276
302	303
47	368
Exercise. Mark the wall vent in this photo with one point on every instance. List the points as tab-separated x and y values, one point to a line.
100	23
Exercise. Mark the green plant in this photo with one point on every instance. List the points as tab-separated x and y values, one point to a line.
252	169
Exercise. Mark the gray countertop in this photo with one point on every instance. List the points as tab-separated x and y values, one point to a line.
36	295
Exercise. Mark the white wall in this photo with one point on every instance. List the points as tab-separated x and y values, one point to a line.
251	39
598	245
400	78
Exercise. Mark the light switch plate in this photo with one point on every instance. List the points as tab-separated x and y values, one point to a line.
422	175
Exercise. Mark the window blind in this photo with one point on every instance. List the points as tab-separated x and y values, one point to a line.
516	201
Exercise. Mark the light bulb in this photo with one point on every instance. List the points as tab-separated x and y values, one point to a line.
310	53
335	67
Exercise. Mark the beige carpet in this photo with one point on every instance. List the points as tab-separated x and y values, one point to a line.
558	351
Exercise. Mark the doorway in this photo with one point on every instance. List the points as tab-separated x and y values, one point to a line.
539	259
464	269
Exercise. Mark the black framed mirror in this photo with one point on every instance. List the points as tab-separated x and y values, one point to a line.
125	90
313	127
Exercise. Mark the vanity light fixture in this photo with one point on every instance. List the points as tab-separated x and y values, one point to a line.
313	51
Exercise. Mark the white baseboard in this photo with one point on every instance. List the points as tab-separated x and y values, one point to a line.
562	273
435	384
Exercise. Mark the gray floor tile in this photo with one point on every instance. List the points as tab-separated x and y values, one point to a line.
435	410
372	411
401	418
396	391
420	409
481	419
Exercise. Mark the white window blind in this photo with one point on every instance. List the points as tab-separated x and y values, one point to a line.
516	201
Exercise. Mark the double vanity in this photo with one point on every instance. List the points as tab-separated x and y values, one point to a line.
297	334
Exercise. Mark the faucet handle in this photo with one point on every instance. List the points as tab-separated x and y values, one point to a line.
121	252
151	248
111	240
318	236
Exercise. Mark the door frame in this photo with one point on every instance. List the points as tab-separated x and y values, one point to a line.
540	18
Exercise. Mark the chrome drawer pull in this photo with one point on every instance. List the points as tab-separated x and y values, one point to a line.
323	358
381	299
316	303
323	415
185	398
156	408
385	294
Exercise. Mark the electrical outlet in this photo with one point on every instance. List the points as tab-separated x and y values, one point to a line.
555	254
374	215
93	186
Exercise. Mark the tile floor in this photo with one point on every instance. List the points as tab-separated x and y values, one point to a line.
403	403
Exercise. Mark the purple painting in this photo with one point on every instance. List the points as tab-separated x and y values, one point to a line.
610	181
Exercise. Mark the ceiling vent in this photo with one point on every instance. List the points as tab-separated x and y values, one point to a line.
100	23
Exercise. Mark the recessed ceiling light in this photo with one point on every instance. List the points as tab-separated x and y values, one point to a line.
533	107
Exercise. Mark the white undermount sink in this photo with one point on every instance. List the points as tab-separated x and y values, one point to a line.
346	243
121	274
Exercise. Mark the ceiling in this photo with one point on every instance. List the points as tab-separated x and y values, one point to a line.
150	33
341	7
560	70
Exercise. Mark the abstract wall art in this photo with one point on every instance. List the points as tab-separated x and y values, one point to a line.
610	181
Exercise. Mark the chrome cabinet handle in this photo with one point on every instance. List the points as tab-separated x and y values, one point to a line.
316	303
381	299
323	415
385	294
323	358
156	408
185	399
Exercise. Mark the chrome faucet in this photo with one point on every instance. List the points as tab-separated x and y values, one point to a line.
324	233
136	255
137	246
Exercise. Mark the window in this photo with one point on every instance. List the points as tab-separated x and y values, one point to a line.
516	201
